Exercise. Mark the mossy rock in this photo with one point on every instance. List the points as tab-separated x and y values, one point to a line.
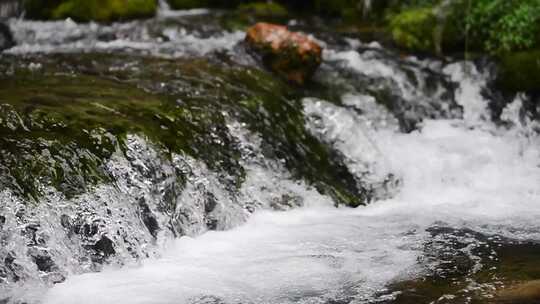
414	29
91	10
247	14
336	7
331	8
61	129
263	10
520	71
191	4
328	8
421	30
188	4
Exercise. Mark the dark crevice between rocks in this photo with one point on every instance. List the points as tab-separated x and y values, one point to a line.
6	37
148	218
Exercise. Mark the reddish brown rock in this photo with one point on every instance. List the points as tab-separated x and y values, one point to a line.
292	55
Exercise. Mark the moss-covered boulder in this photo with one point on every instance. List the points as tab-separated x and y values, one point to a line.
59	130
292	55
190	4
430	29
263	10
414	29
520	71
91	10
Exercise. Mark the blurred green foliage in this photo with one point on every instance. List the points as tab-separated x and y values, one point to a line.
505	25
493	26
91	10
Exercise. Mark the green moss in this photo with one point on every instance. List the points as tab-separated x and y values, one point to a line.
414	29
88	10
188	4
60	130
520	71
39	9
263	9
335	7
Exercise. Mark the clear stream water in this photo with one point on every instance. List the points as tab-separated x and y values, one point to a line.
459	173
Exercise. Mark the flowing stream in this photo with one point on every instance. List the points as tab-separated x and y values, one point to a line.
453	175
454	170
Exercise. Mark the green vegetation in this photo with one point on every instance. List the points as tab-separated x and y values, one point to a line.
263	9
509	30
334	8
501	265
413	29
91	10
190	4
505	26
520	71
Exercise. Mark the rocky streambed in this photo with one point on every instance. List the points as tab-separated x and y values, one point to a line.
159	161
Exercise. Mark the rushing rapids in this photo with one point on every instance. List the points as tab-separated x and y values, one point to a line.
156	162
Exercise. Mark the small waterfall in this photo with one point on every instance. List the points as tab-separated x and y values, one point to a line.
10	9
365	7
168	226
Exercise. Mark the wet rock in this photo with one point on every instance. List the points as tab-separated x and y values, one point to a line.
211	223
88	229
104	246
292	55
210	202
11	268
42	259
54	277
31	233
523	293
6	38
286	202
519	71
65	221
263	10
148	218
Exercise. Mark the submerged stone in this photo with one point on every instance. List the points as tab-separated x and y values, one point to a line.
522	293
427	29
292	55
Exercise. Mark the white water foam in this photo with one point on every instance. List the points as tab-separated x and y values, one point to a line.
466	173
68	36
302	256
483	178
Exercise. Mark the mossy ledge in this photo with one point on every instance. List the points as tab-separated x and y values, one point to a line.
59	129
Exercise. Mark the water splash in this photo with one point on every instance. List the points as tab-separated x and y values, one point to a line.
454	174
459	171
